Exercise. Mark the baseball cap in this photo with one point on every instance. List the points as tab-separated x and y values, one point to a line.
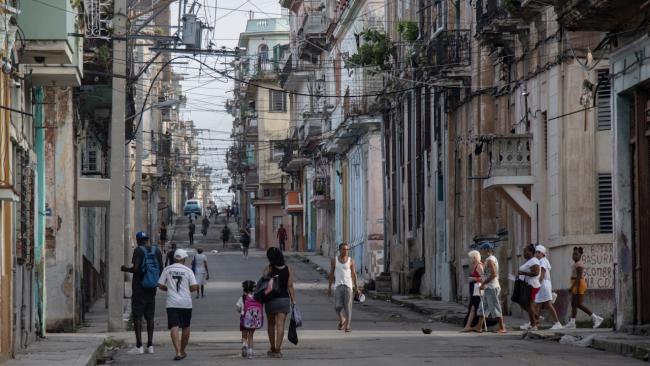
180	254
541	249
486	245
141	235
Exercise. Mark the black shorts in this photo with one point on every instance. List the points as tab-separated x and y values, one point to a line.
178	317
143	305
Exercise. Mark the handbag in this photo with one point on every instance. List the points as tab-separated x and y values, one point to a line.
521	293
293	331
267	288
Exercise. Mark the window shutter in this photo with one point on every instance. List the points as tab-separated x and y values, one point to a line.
605	211
603	100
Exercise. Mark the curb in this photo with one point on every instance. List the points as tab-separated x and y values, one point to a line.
621	346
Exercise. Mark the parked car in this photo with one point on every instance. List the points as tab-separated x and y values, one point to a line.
192	207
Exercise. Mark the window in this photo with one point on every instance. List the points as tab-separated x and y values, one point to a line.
263	57
603	97
277	221
605	211
277	151
439	14
267	193
277	101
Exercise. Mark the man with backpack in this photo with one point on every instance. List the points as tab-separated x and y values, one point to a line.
146	267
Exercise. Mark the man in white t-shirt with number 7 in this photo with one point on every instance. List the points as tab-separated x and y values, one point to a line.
179	282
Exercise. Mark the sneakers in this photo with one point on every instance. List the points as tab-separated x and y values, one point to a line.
571	324
526	326
557	326
597	320
250	354
137	350
533	329
244	350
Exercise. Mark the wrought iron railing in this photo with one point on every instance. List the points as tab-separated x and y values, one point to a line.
452	48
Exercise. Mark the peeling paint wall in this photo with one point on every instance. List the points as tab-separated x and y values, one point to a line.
62	249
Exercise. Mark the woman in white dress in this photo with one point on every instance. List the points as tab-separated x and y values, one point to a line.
529	272
200	268
544	298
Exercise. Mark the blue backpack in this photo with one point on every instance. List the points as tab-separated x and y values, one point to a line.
150	267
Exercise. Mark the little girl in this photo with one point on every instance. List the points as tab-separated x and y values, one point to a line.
251	317
578	290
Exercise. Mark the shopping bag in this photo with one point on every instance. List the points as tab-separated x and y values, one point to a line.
521	293
293	332
296	315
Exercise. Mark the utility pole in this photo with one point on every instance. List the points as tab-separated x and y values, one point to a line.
116	227
138	172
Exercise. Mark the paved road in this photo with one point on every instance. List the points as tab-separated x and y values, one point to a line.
383	333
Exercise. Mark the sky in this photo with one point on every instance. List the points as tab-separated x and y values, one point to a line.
206	95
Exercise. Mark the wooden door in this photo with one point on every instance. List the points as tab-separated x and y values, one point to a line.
640	144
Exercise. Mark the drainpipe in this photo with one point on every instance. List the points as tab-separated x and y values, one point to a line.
40	295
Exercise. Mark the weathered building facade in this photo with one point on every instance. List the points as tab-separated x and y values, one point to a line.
495	128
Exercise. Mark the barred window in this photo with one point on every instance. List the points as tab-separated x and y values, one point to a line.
277	101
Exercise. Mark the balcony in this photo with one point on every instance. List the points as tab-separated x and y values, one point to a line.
364	90
293	203
251	128
510	170
251	181
311	128
496	25
596	15
312	37
321	198
450	53
49	53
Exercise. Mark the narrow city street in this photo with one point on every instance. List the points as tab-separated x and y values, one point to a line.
383	333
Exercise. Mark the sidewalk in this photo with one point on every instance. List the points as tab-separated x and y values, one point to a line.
61	349
449	312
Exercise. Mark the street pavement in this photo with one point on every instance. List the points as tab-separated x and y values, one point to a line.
383	333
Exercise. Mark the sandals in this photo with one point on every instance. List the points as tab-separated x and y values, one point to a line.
178	358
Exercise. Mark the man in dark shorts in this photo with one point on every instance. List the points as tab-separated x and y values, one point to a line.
143	300
169	260
179	282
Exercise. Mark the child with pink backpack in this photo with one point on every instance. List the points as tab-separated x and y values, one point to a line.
251	317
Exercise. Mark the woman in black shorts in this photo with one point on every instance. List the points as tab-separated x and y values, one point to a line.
278	308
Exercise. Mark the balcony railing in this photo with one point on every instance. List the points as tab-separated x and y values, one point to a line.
311	127
451	49
251	181
510	155
364	90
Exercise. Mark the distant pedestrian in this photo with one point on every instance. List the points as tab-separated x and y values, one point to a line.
343	275
179	282
529	272
471	320
282	237
191	227
163	234
205	224
201	271
225	234
490	303
146	264
251	317
169	260
245	240
578	290
277	308
544	298
228	213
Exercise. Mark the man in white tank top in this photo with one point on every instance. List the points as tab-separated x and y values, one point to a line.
344	277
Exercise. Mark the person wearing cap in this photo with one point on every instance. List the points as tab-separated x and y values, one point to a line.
544	298
178	281
143	300
490	303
